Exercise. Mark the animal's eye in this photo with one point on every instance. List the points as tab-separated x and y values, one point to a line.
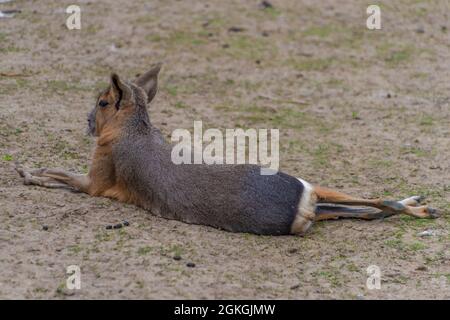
103	103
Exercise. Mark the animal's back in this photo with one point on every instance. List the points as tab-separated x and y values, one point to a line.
231	197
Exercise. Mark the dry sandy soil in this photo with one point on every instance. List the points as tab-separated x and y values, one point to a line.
364	111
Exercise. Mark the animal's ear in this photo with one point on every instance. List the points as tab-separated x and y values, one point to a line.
122	92
149	81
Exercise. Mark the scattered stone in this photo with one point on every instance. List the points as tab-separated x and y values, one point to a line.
443	28
113	48
258	61
8	13
421	268
295	286
236	29
45	227
190	265
265	34
427	233
420	30
124	223
177	258
293	250
225	46
388	96
265	5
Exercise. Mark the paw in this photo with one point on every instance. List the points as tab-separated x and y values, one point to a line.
20	170
28	178
432	213
413	201
23	172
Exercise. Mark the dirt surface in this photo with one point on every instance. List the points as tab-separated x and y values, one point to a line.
367	112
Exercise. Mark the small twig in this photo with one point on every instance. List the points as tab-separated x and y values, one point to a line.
283	100
7	74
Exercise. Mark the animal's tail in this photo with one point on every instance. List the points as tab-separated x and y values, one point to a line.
325	211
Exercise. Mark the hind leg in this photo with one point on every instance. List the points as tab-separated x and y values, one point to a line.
332	212
406	206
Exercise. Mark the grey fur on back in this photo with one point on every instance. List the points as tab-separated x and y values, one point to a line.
231	197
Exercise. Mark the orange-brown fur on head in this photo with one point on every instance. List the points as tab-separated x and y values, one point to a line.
112	107
110	117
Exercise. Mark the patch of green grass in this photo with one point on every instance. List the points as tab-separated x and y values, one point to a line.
11	49
331	277
416	151
420	75
272	12
380	163
40	290
310	64
75	249
144	250
394	243
176	250
104	236
92	29
173	91
318	31
416	246
394	55
180	105
140	284
426	120
61	287
417	223
7	157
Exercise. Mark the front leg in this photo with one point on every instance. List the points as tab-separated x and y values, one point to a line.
55	178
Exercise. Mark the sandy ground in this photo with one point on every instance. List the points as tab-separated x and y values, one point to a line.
364	111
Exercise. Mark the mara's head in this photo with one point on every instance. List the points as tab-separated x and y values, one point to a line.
123	98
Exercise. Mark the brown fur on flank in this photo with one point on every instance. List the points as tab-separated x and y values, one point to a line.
132	163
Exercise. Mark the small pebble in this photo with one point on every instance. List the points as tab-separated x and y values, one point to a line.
265	4
388	96
295	287
190	265
109	227
118	226
422	268
177	258
126	223
427	233
236	29
293	250
420	30
44	227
